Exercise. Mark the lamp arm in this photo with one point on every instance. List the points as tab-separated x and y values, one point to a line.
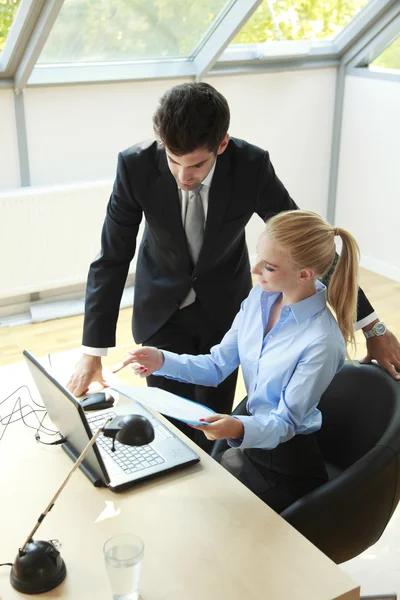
64	483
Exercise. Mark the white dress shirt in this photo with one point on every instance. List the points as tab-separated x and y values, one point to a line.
205	190
184	198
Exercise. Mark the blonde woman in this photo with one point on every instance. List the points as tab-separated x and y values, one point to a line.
289	346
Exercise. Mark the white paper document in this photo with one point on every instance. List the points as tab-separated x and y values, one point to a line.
165	403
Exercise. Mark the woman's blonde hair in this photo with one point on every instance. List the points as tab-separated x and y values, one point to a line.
310	242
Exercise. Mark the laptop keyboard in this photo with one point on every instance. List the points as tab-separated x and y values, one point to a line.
131	459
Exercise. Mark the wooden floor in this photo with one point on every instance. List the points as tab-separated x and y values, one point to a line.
65	334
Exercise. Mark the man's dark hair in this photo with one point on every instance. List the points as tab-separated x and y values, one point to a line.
191	116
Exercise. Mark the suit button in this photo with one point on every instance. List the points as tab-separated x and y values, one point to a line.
193	279
177	302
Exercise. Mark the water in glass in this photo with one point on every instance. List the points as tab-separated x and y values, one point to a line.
124	573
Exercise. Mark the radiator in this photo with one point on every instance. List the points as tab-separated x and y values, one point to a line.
49	235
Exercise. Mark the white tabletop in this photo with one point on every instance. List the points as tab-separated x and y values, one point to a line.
206	536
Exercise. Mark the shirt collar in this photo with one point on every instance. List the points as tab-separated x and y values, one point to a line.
306	308
310	306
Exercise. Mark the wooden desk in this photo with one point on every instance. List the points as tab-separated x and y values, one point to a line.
206	536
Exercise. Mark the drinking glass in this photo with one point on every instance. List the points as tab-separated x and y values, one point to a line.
123	555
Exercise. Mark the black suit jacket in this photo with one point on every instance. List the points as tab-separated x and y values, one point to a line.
244	183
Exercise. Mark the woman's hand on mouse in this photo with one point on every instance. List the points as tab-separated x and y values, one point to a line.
144	361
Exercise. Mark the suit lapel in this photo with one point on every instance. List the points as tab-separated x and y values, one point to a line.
218	201
167	191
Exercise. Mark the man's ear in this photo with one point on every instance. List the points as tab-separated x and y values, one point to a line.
223	144
305	275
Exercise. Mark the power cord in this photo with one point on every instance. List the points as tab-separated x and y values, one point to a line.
29	410
20	412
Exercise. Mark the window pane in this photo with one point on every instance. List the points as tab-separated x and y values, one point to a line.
276	20
121	30
389	59
8	10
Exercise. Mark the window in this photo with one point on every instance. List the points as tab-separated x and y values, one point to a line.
97	31
8	10
276	20
389	59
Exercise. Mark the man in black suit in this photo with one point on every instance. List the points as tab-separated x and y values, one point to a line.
197	188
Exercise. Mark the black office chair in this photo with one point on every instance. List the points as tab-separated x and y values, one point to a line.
360	442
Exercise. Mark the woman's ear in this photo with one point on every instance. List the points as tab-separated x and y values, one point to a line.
305	275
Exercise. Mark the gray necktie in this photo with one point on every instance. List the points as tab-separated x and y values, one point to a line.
194	223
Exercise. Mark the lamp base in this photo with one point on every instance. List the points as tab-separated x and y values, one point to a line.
38	568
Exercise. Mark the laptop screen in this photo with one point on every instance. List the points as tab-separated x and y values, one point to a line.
68	416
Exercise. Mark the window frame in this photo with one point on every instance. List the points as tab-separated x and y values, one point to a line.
359	66
204	55
18	36
212	56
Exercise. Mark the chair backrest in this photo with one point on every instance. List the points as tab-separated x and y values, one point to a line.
360	409
360	438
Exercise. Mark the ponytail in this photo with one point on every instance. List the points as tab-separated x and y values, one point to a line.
343	288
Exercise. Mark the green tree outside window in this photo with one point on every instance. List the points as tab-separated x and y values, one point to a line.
101	30
112	30
276	20
8	9
390	58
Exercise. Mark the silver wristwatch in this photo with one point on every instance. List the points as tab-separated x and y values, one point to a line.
378	329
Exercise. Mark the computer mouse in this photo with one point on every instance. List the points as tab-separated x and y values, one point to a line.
97	401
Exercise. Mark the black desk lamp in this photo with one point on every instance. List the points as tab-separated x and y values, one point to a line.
39	567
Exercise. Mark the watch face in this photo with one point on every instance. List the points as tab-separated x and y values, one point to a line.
379	329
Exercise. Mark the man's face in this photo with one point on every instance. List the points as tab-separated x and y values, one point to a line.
190	169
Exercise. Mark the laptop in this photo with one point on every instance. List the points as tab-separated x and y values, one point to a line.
127	465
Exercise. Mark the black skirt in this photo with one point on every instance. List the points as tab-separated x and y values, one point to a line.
279	476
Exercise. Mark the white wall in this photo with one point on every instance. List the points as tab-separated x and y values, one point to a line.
368	201
290	114
76	132
9	164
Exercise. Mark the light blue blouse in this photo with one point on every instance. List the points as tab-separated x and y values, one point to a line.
285	372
